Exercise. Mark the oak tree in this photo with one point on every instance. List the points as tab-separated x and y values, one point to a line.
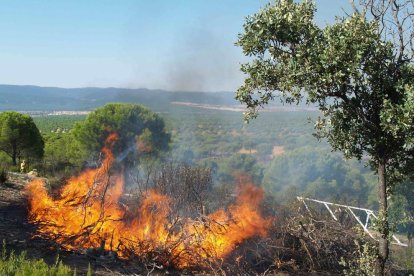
358	71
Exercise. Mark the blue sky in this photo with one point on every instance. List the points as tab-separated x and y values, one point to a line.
173	45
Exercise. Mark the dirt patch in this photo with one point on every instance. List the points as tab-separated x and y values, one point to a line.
247	151
277	151
235	133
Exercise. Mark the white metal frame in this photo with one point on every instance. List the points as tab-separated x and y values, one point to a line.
365	225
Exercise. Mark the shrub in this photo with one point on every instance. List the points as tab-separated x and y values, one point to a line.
12	264
364	261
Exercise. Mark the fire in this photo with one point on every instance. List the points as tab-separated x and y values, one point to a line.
87	213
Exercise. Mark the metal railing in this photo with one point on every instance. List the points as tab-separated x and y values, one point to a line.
365	225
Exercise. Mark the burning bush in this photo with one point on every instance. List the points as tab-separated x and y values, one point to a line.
190	186
88	213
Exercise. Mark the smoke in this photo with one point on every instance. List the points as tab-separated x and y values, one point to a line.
124	153
203	60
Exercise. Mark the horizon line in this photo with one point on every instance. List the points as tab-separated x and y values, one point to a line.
113	87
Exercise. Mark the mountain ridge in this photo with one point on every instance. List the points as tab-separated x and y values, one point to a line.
27	97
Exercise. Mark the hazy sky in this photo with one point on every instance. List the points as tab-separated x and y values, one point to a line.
173	45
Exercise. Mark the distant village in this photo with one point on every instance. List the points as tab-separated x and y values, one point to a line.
54	113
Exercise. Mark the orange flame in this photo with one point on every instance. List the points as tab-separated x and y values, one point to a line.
87	213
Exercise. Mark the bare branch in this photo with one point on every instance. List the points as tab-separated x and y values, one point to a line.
395	20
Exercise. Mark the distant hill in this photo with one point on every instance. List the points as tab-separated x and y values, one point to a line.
49	99
36	98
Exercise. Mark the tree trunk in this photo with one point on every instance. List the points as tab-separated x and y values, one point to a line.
383	217
14	155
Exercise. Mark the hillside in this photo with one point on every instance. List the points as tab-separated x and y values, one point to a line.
37	98
34	98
